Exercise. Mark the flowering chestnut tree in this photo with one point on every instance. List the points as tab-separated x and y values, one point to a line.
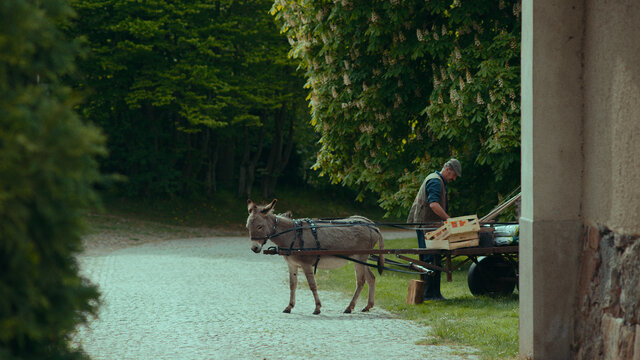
398	87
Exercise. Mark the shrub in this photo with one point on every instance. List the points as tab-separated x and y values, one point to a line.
47	173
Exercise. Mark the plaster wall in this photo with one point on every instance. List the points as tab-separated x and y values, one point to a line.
612	115
552	166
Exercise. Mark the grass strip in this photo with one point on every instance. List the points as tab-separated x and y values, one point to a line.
487	324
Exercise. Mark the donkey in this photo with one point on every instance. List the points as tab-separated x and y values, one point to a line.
264	225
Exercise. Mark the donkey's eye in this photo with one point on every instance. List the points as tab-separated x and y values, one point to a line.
259	227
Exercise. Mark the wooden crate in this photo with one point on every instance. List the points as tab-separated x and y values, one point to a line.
456	233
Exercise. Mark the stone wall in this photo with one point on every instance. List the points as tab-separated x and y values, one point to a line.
607	320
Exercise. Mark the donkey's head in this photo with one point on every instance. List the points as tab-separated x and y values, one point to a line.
261	224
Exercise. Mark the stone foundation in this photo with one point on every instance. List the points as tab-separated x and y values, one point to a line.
607	319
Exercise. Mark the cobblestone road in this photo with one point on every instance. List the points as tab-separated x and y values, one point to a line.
214	299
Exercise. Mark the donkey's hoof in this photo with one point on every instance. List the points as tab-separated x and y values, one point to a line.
316	312
287	311
366	309
347	311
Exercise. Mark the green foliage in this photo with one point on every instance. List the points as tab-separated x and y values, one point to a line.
176	84
47	172
398	87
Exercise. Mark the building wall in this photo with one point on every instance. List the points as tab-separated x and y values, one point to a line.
580	227
607	318
551	226
612	115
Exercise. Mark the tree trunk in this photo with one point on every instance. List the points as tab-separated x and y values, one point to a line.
214	152
227	160
279	154
249	163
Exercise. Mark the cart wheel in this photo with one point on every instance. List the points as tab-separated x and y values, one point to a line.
492	276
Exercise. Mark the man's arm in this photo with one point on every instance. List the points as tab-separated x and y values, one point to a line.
439	210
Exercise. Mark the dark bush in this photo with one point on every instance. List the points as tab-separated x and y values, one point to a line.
47	174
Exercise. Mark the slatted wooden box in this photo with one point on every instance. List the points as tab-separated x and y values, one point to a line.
456	233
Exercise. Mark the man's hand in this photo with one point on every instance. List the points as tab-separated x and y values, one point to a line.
439	210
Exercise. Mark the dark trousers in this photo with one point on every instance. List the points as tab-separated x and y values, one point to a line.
432	280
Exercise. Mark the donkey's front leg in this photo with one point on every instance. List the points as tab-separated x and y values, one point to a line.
311	280
293	284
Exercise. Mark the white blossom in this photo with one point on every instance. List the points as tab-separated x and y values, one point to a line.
517	8
453	95
327	58
345	78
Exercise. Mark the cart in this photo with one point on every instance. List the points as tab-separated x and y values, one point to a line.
493	270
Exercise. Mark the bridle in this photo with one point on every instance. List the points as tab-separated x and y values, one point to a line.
264	239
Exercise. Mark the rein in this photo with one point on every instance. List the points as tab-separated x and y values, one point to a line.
330	223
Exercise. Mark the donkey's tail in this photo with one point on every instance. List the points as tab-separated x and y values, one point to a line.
381	257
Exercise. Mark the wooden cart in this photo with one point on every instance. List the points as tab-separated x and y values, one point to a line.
494	270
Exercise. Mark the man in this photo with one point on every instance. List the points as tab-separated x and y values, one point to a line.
431	205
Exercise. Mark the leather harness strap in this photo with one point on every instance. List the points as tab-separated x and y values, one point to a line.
299	235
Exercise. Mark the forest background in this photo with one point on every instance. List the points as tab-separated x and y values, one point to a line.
198	98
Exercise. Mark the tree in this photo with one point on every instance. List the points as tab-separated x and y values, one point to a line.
188	92
397	88
47	173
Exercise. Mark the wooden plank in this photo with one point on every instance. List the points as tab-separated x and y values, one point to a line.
463	237
437	244
439	234
463	244
463	224
415	294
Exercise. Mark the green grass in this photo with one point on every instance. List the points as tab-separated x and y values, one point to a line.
487	324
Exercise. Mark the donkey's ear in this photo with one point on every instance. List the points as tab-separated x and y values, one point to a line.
269	207
250	206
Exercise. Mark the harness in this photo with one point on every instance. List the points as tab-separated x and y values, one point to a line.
298	235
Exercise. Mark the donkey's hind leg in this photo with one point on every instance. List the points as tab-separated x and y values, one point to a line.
293	284
360	280
311	280
371	282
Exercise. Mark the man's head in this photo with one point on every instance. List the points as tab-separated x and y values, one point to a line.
451	170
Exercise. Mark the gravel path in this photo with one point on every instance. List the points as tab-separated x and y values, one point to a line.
211	298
